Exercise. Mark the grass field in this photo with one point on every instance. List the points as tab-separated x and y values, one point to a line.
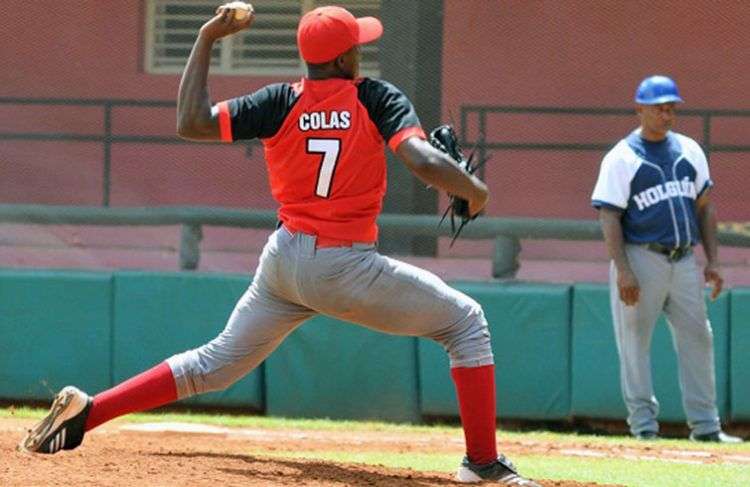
542	455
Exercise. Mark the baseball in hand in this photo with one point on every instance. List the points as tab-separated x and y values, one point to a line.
241	9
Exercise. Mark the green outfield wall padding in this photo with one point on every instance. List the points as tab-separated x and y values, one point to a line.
531	342
554	348
157	315
596	370
54	331
740	355
330	368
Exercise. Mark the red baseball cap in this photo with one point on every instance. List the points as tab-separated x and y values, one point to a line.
327	32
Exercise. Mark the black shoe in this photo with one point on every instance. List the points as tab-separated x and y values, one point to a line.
62	428
501	470
716	437
647	436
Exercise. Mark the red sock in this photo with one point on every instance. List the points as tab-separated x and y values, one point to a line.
150	389
475	388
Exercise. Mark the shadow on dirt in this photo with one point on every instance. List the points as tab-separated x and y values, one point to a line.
315	472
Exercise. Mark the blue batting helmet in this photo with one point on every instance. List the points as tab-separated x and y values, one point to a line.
655	90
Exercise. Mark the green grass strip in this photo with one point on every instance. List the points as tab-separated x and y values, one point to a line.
264	422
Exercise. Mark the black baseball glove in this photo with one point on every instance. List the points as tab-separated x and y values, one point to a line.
444	139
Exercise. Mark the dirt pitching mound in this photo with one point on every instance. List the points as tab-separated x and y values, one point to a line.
120	454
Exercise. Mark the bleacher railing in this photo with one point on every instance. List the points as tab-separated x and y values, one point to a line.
107	138
484	144
505	231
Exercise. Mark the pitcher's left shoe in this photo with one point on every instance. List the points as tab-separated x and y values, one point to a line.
63	427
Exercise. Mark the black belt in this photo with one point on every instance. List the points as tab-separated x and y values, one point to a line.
673	253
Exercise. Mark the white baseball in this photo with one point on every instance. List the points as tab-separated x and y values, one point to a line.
241	9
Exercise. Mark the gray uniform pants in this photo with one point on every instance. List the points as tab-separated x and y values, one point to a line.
675	288
295	281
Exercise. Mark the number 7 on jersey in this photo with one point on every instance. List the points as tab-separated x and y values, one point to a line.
330	148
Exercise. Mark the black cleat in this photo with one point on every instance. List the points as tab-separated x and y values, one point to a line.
501	471
62	428
647	436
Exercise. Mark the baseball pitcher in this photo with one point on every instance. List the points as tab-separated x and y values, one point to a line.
324	139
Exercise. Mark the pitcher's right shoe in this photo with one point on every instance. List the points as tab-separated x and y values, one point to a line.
501	471
63	427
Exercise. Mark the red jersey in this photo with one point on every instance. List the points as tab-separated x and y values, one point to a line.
324	144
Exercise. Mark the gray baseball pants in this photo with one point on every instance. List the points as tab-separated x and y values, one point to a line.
295	281
675	288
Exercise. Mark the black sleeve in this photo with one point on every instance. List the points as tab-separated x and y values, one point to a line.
388	107
262	113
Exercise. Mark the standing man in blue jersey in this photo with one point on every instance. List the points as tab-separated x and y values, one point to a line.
653	200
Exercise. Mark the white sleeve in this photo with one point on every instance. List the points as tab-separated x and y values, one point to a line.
702	176
613	186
